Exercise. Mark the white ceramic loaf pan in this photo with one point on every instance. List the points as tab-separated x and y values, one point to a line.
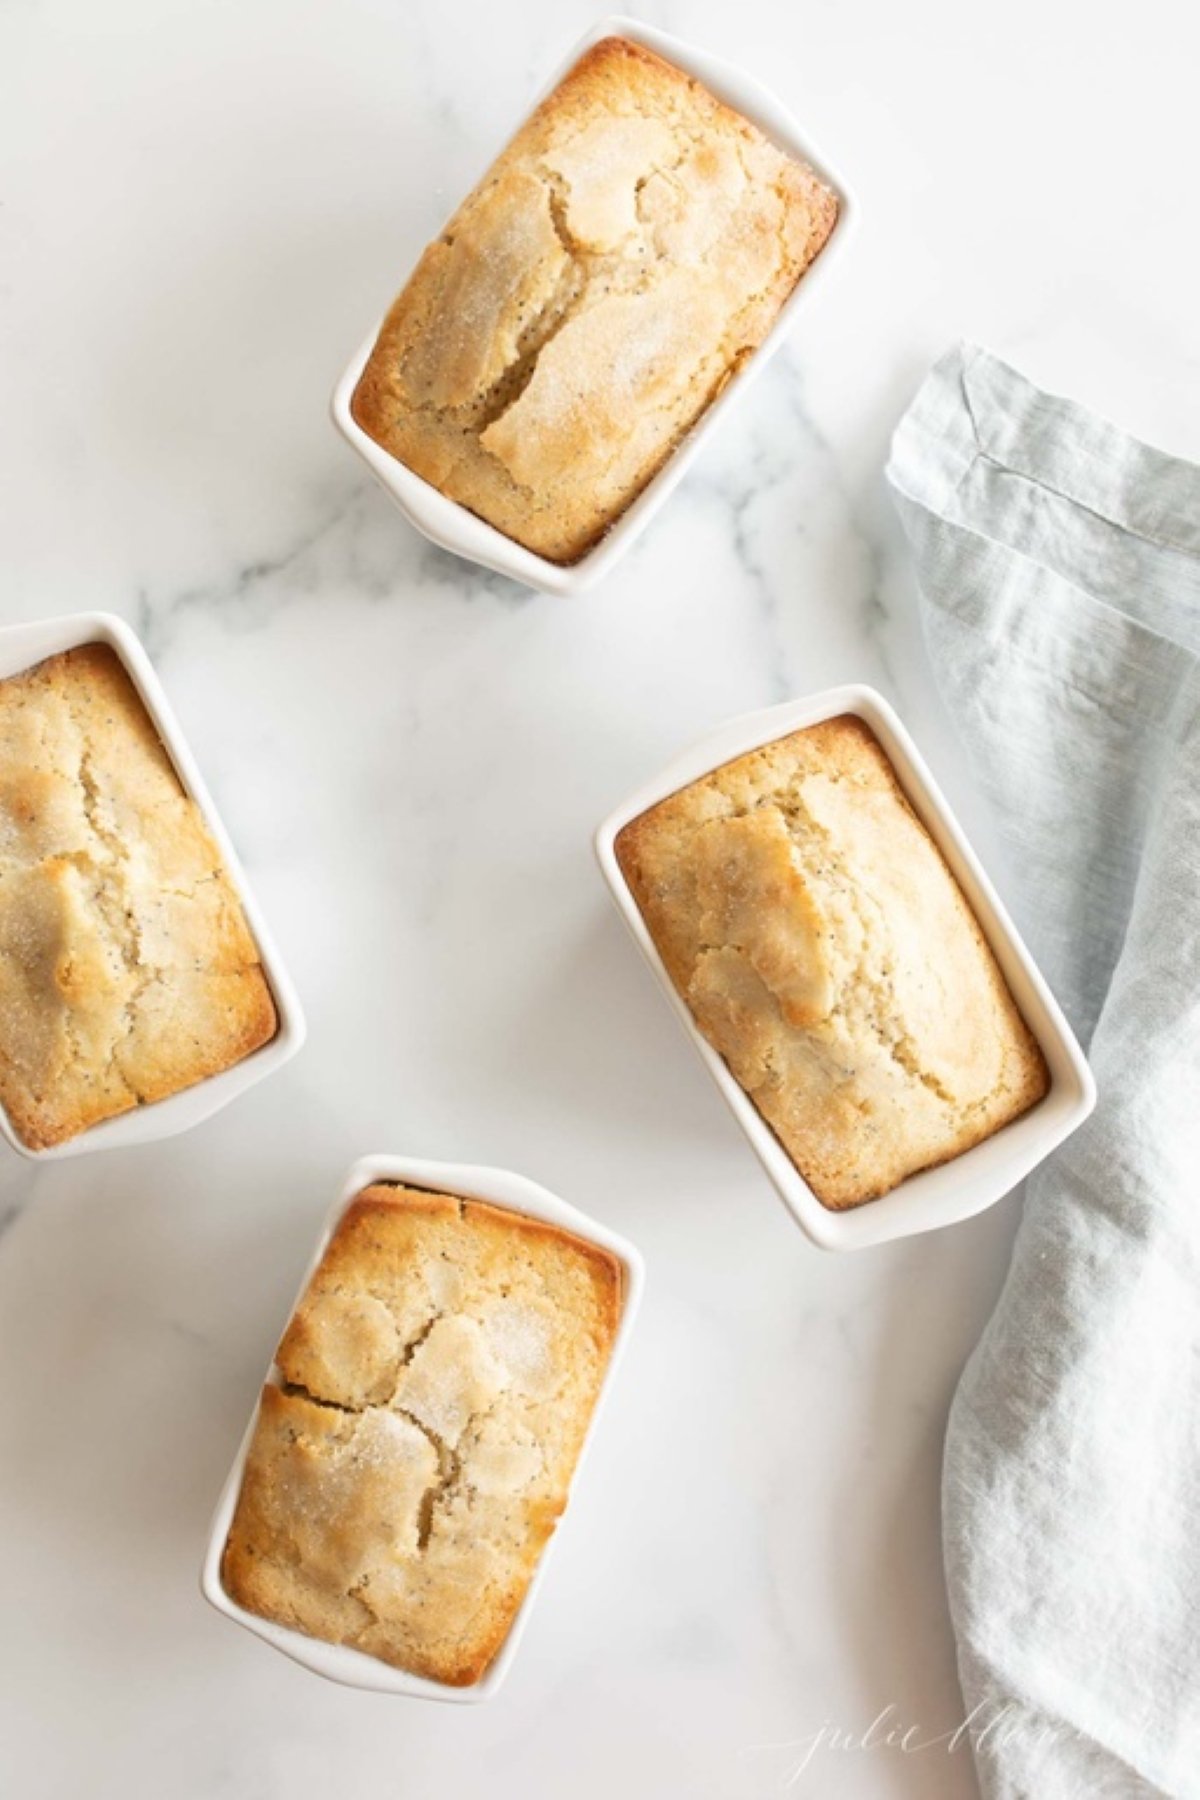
21	646
970	1182
501	1188
453	526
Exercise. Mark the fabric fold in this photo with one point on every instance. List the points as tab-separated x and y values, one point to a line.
1058	562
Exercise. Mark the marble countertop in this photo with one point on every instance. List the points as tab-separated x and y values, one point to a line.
202	209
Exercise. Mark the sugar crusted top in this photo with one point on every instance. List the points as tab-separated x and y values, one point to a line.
436	1382
127	969
825	950
619	261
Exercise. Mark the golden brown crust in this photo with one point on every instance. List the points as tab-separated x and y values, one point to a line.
127	969
438	1377
614	268
823	947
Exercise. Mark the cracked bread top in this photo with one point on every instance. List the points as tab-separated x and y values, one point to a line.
437	1380
127	969
610	273
823	947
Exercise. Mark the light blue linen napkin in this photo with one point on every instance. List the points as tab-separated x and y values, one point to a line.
1059	570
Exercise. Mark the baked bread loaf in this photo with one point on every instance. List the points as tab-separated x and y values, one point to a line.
127	969
437	1382
614	268
825	950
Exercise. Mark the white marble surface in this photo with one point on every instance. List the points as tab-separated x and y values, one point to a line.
203	206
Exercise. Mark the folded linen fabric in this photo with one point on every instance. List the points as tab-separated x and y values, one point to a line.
1058	563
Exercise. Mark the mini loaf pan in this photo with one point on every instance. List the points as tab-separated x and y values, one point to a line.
968	1183
499	1187
454	527
21	646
